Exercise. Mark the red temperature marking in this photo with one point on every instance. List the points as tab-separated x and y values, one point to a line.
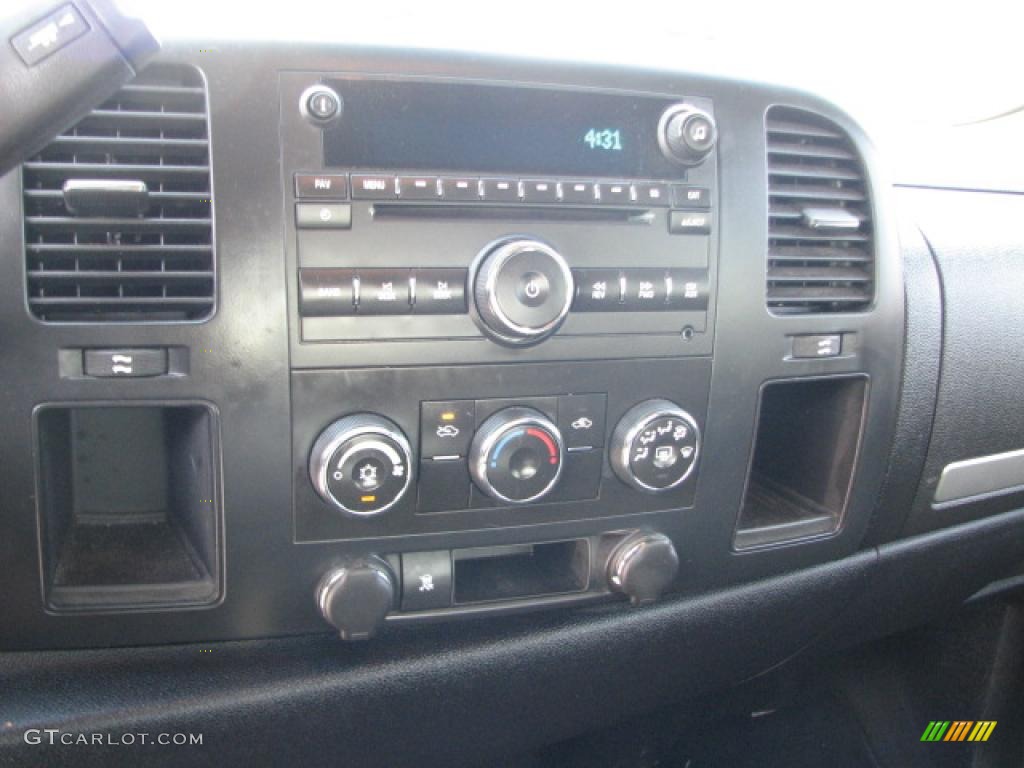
546	439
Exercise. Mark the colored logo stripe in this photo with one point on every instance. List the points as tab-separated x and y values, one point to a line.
958	730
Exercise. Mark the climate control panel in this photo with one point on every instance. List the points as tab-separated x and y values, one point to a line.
383	452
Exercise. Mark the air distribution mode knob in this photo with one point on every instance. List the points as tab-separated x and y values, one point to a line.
654	446
516	456
361	464
686	134
522	290
356	596
643	566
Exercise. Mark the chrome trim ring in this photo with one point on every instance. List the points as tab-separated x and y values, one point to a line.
493	429
636	420
486	270
350	428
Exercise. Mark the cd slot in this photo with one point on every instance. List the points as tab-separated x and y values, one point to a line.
477	211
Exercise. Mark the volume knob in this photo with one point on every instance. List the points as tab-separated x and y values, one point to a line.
522	291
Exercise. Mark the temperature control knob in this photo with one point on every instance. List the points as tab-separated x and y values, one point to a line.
516	456
686	134
522	290
655	446
361	464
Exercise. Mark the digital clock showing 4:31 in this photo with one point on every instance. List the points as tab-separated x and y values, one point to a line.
609	139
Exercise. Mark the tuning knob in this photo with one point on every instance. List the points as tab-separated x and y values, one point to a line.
686	134
361	465
356	597
516	456
522	290
654	446
643	566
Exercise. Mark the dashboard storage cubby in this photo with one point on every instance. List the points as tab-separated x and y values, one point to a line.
128	506
808	436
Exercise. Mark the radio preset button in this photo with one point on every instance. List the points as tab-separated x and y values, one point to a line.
616	193
684	196
689	222
418	187
597	290
440	292
535	191
384	292
330	185
326	292
460	189
583	192
652	193
372	187
501	190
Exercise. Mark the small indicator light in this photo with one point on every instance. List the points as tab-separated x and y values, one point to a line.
448	416
367	499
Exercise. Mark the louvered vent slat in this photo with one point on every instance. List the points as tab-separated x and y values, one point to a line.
820	239
102	263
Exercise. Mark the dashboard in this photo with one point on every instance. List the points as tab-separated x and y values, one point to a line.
450	351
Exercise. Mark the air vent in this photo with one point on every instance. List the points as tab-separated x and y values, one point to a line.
118	210
820	249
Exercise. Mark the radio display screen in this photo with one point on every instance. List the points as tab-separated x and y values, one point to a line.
472	128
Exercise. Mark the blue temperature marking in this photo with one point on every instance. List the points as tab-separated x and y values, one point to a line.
501	443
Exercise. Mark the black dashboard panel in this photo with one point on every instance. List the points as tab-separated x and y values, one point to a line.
803	521
276	375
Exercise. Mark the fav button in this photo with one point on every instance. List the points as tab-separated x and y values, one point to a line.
501	190
333	185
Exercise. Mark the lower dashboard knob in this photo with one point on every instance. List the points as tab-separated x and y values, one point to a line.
516	456
654	447
361	464
643	566
522	290
356	597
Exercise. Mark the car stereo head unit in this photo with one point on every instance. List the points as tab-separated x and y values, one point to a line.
518	221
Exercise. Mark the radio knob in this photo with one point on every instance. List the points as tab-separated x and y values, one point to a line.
522	290
686	134
654	446
361	464
516	456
